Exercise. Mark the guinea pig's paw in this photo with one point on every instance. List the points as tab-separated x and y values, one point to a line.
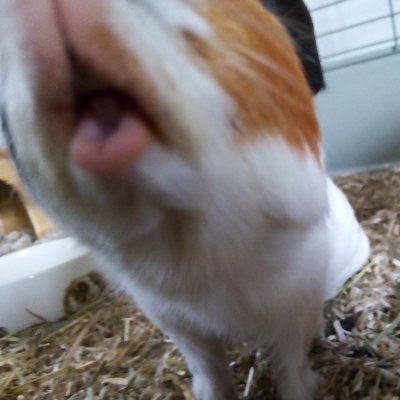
206	390
302	387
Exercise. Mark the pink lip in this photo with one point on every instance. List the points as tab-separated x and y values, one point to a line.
55	30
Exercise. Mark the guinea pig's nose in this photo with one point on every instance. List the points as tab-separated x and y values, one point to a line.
53	29
79	20
43	38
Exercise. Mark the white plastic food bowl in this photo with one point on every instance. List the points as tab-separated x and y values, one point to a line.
35	279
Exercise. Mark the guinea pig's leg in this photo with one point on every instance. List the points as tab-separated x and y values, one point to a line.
291	366
207	362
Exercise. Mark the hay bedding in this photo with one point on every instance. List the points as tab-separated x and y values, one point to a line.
107	350
18	240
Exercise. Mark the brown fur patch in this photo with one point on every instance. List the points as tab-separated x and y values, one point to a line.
255	62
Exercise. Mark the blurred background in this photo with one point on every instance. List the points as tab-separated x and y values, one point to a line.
359	43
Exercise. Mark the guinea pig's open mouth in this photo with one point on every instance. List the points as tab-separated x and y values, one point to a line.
88	73
111	128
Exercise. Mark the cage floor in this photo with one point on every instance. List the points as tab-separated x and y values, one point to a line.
107	350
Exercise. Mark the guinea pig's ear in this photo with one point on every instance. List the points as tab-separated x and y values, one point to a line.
297	20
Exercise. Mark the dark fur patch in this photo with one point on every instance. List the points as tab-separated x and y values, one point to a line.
297	20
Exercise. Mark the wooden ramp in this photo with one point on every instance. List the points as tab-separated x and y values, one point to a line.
17	210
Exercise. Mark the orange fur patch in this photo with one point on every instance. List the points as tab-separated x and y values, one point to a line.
255	62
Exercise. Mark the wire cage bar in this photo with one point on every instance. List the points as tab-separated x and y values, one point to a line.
353	31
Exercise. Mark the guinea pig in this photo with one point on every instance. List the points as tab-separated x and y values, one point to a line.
178	139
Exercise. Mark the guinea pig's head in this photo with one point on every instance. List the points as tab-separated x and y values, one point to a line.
110	104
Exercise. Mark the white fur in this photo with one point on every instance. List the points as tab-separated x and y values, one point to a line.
179	15
213	240
349	246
